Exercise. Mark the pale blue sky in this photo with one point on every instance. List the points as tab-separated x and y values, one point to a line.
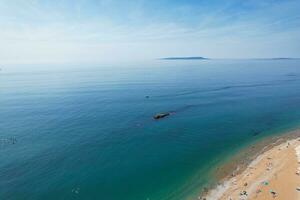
36	31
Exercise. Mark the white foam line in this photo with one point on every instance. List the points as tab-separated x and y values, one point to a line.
219	190
298	152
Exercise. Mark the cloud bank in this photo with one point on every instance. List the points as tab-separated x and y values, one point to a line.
33	31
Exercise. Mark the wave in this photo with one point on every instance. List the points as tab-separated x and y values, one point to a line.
224	88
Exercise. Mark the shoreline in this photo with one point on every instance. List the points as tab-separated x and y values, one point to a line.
239	163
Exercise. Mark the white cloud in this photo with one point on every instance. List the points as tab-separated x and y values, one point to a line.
41	34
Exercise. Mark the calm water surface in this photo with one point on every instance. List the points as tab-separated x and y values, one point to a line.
88	133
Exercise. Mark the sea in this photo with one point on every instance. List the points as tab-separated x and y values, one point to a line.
86	131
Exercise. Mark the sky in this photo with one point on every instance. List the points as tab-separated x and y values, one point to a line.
95	31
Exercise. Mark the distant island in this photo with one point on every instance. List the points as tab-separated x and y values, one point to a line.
185	58
283	58
279	58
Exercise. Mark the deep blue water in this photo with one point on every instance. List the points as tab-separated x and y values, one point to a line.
87	132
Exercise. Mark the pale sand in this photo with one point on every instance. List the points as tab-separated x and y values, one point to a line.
275	170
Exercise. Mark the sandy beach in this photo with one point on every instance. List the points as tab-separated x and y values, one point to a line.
274	174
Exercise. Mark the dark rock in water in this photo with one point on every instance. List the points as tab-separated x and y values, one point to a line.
291	74
161	115
147	97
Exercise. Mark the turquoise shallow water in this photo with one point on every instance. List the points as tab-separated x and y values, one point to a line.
87	132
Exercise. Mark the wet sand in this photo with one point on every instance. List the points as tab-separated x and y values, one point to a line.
272	172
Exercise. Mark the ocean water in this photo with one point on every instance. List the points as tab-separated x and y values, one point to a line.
87	132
